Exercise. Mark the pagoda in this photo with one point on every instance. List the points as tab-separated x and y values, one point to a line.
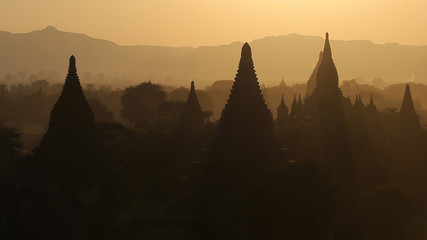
358	104
246	127
72	127
192	117
408	120
294	109
326	102
282	112
371	108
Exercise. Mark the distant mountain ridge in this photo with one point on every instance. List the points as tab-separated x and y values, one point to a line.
292	56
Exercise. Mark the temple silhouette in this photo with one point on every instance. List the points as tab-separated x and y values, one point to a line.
408	120
72	126
371	108
282	112
246	127
192	117
325	168
326	102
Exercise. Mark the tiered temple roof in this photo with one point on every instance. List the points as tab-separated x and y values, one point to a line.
246	126
72	125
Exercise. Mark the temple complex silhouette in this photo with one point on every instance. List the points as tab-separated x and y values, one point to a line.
247	176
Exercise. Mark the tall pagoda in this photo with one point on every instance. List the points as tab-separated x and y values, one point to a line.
71	167
72	126
326	102
408	120
241	153
325	109
246	127
192	117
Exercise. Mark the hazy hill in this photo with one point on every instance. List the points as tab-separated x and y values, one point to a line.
49	49
292	56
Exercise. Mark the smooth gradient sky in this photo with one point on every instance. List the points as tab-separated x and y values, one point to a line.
215	22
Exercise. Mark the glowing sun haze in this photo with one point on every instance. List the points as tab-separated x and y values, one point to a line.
214	22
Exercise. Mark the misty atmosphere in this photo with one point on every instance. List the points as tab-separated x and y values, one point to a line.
283	137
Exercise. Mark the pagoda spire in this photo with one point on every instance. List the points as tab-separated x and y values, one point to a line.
327	53
282	112
294	108
192	117
71	122
327	75
371	108
407	106
282	101
408	118
72	65
326	102
245	120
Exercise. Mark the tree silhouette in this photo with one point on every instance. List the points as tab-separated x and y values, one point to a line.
139	103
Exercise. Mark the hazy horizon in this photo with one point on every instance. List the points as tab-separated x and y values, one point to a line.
213	45
197	23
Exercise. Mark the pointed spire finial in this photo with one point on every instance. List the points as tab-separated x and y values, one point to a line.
72	67
327	53
246	50
192	86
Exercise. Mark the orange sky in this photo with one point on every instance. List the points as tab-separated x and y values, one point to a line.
214	22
